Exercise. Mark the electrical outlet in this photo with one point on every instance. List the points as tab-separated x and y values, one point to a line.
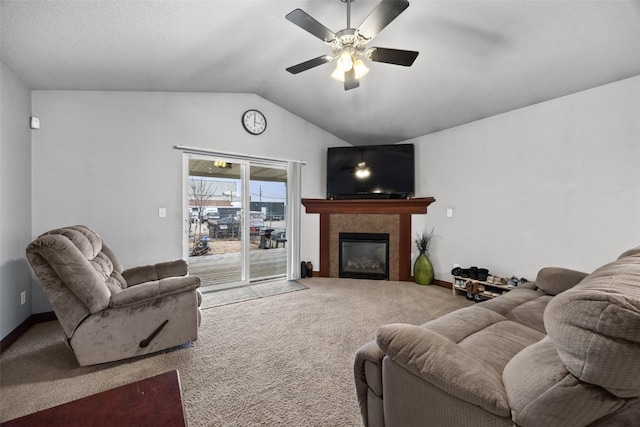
23	297
449	213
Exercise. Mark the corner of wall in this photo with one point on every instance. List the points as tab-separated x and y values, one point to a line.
15	200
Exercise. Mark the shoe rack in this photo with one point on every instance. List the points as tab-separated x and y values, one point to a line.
477	290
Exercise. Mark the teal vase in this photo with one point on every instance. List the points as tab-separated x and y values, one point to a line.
423	270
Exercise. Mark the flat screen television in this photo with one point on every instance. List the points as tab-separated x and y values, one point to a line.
371	172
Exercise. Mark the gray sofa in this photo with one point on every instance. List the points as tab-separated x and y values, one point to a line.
108	313
562	351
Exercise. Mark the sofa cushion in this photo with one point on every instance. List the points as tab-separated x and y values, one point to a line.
103	265
596	327
498	343
554	280
487	335
525	306
439	361
459	324
542	392
115	282
630	252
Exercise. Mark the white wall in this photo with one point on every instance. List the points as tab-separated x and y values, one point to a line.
15	199
551	184
106	160
557	183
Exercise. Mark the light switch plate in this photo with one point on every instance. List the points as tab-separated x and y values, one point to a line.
35	123
162	212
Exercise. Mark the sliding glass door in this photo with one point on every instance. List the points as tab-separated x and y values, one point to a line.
268	222
237	220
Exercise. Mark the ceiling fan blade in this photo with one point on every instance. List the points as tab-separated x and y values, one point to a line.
392	56
350	81
385	12
307	65
303	20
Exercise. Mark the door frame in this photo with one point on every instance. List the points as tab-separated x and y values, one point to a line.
293	169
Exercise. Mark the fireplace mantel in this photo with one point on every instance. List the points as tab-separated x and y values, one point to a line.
369	206
402	209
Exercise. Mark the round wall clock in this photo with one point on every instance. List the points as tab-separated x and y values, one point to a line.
254	122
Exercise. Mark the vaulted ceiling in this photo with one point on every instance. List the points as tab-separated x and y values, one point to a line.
477	58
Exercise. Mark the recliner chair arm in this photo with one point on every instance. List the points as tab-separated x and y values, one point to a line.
153	290
162	270
444	364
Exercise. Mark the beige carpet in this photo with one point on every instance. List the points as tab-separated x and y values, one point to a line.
286	360
246	293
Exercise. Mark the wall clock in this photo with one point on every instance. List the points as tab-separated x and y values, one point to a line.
254	122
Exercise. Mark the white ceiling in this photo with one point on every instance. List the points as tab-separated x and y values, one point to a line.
477	58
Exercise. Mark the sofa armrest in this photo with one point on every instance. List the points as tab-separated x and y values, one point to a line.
367	369
444	364
554	280
528	285
154	290
149	273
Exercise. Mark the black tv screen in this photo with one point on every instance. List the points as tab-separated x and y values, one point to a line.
391	172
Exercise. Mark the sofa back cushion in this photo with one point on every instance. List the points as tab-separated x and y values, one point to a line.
595	327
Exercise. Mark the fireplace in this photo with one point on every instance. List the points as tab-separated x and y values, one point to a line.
365	216
364	255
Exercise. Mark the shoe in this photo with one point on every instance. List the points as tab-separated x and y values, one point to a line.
473	272
493	279
496	280
309	269
482	274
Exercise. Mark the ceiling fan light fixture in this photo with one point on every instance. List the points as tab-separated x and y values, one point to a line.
360	69
358	66
338	74
345	60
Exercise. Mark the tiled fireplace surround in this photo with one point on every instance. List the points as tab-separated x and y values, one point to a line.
367	216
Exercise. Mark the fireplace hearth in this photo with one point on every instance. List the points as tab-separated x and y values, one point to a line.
364	256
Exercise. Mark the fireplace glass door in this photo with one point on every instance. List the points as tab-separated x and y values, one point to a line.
364	255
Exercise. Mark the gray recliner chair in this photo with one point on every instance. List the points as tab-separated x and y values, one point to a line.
108	313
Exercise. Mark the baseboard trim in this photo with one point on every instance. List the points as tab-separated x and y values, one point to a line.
436	282
442	283
24	326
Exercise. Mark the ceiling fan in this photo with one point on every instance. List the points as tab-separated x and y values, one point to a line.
349	46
